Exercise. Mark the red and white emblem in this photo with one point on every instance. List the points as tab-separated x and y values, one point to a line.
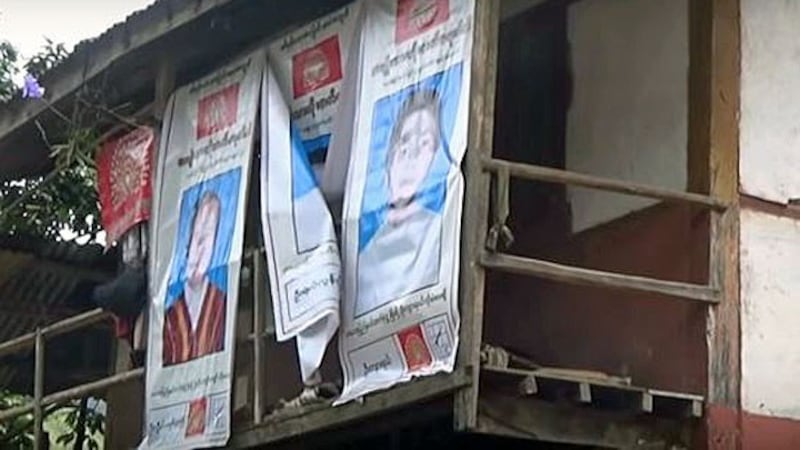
417	16
316	67
415	349
217	111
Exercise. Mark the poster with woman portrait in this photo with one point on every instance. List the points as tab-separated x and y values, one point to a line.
198	232
404	194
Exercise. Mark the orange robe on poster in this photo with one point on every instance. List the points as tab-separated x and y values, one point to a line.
181	343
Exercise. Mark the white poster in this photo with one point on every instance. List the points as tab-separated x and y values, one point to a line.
203	173
309	67
302	251
404	193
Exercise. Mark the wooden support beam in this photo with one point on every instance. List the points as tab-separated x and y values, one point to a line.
38	390
590	277
714	96
527	418
322	416
474	228
551	175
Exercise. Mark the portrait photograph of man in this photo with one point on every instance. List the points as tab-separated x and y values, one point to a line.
194	319
400	233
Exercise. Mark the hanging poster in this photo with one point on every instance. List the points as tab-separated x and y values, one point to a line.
308	65
302	251
124	181
202	181
404	193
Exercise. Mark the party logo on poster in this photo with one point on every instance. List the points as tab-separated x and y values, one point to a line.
217	111
196	423
316	67
417	16
415	349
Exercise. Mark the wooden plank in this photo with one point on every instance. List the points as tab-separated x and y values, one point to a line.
532	419
590	277
476	204
552	175
322	417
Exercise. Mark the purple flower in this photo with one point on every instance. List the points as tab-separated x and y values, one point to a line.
31	88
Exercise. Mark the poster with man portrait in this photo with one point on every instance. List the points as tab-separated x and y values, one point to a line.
198	232
302	250
404	194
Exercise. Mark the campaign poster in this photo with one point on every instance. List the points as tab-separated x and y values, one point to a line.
309	64
124	181
404	194
198	233
301	245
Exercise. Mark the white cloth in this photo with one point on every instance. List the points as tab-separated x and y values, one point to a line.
399	259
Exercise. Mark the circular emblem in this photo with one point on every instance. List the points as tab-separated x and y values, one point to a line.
316	69
127	169
423	13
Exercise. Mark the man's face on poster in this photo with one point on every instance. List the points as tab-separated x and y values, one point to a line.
412	154
201	243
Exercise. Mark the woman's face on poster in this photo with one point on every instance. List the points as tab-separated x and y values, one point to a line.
201	245
412	155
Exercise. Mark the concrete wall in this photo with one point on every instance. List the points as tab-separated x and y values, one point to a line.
770	110
628	118
770	292
770	232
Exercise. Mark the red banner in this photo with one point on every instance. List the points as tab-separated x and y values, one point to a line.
124	181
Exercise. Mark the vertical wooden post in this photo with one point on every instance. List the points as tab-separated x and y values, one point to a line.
38	391
258	337
476	204
714	92
165	84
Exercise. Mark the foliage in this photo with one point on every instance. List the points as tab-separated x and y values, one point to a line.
65	199
49	57
72	421
8	68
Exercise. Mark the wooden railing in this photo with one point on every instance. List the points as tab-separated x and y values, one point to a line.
492	259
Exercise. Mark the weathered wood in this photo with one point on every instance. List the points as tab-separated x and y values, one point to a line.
714	98
476	204
165	84
527	418
322	417
58	328
38	390
590	277
259	346
93	387
551	175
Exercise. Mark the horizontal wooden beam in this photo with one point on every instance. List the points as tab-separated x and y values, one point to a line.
577	275
75	393
551	175
321	417
62	327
